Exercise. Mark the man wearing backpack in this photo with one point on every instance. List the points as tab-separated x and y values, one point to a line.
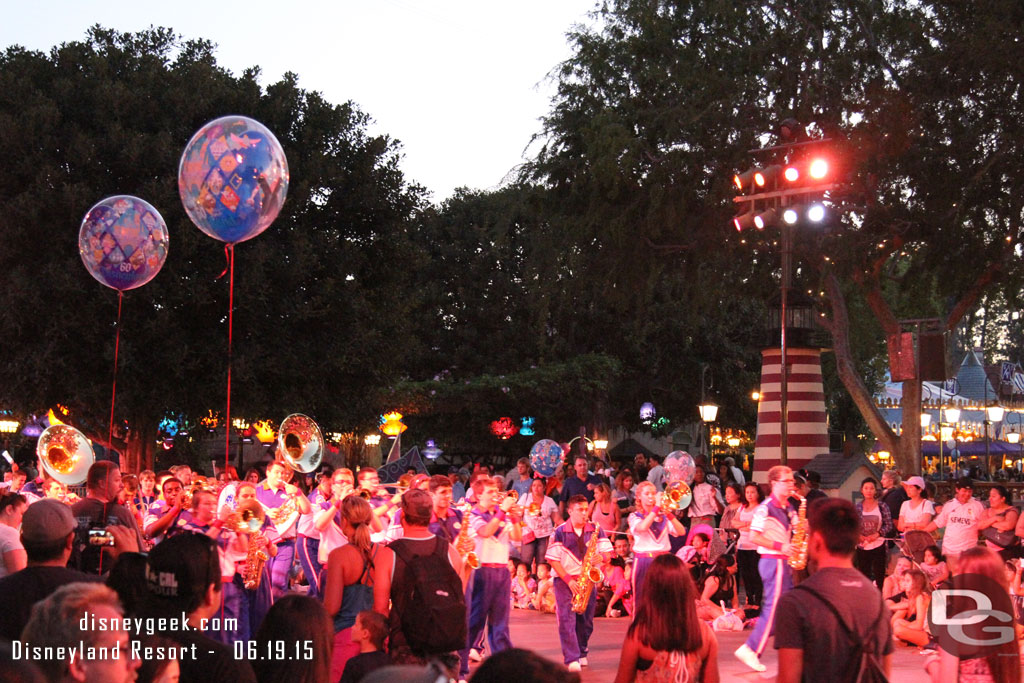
834	626
420	575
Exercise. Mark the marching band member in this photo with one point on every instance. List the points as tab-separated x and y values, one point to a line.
166	516
328	521
307	543
494	525
566	554
420	481
247	606
275	493
369	480
651	529
770	531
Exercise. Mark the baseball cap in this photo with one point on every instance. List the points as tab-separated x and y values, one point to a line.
417	503
47	521
915	481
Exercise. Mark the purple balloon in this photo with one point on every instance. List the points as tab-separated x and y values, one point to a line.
233	178
123	242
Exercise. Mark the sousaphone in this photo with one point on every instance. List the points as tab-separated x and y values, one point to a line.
65	454
300	443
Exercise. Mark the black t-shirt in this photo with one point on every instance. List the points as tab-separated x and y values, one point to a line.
802	622
20	590
362	664
91	513
894	499
213	661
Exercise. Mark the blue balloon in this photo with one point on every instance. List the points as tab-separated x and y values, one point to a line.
123	242
545	457
233	178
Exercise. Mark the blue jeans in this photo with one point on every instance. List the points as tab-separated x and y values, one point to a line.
777	578
573	629
248	607
306	548
492	605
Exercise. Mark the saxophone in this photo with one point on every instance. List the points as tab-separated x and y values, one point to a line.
798	554
590	575
465	545
254	561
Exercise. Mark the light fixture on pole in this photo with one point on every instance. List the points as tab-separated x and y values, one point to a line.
993	414
708	409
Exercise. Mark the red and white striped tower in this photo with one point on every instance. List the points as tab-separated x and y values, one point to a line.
807	426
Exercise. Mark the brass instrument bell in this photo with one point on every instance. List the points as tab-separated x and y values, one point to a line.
299	443
65	454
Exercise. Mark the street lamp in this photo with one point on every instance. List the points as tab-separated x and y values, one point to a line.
1014	436
708	409
992	414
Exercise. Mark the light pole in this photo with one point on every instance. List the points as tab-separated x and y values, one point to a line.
952	418
708	410
1014	436
992	414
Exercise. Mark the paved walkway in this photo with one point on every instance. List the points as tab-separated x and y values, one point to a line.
539	632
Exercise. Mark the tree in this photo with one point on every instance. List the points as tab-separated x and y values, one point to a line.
322	296
660	101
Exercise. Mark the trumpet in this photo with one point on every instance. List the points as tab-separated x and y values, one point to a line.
248	516
677	496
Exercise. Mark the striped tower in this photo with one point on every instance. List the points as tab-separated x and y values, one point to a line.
807	427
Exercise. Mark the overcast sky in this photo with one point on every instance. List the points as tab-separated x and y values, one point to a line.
461	83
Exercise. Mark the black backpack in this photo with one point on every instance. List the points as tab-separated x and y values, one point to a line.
869	662
431	604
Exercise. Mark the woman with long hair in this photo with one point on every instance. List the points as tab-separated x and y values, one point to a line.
666	640
746	551
294	642
999	522
718	589
875	525
349	580
910	617
1001	663
623	493
12	553
603	512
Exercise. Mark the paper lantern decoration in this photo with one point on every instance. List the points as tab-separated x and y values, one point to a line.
391	424
545	457
504	428
647	412
526	426
432	451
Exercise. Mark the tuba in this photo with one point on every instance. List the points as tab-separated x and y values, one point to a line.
590	576
798	554
65	454
299	443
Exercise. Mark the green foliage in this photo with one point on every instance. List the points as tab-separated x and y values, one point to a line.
322	297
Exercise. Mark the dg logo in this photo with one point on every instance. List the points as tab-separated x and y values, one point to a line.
972	619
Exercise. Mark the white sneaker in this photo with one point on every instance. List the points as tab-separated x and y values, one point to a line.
475	656
583	661
574	666
749	657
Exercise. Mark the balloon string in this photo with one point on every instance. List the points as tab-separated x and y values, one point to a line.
113	390
231	316
228	249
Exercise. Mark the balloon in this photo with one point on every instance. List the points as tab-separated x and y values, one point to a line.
545	457
233	178
680	464
123	242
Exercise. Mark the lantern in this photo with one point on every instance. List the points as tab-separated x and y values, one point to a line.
526	426
391	424
647	412
504	428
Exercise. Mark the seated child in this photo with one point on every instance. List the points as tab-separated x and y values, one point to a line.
369	632
695	555
544	599
524	587
934	567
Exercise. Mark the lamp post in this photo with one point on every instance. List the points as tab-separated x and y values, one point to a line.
708	410
1014	436
992	414
926	420
952	418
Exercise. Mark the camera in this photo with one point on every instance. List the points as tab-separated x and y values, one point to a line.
100	537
